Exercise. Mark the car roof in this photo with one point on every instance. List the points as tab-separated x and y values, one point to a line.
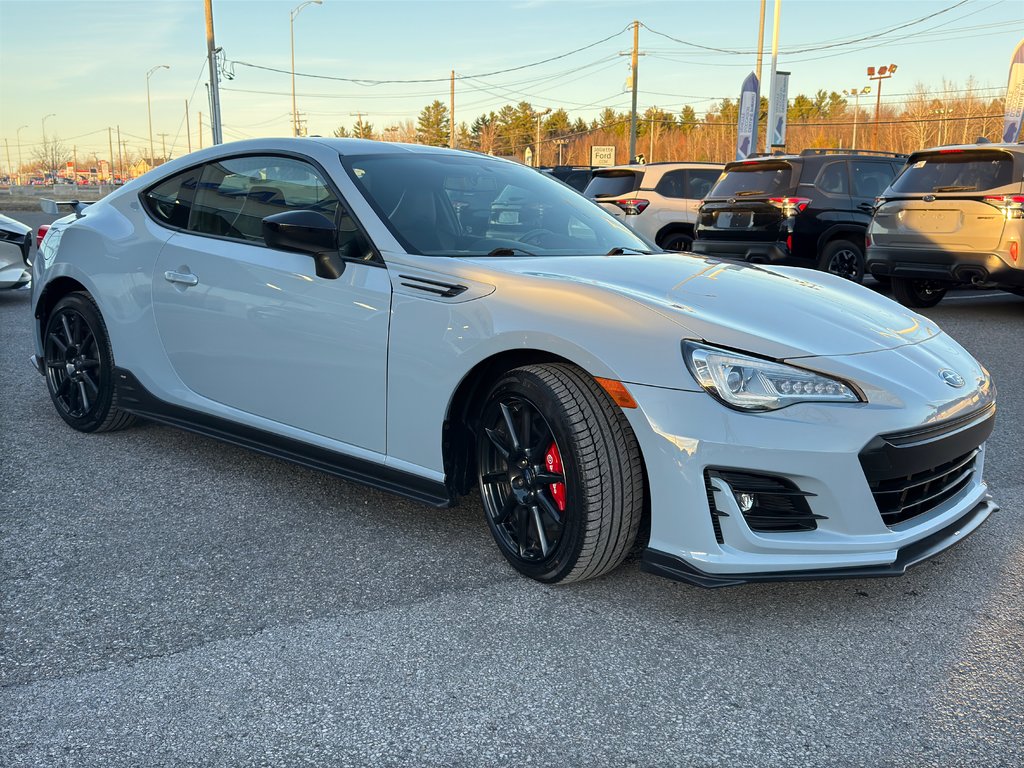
661	164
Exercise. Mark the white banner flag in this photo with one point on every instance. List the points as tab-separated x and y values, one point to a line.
1014	96
780	100
749	107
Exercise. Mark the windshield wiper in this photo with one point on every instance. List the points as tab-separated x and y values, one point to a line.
746	192
955	189
619	250
504	250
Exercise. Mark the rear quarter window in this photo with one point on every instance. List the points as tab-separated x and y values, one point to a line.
955	172
170	201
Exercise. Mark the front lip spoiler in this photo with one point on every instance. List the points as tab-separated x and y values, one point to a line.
37	363
673	567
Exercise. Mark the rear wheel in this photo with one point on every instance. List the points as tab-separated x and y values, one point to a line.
920	294
559	473
843	258
80	366
678	241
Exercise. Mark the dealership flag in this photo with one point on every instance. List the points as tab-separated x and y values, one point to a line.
1014	96
750	105
780	100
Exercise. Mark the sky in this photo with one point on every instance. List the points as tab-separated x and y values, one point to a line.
86	63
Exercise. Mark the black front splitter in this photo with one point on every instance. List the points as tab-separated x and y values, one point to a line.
673	567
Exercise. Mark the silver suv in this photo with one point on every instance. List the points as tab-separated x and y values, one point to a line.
954	216
656	200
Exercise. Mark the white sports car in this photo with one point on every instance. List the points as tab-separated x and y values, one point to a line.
15	245
432	321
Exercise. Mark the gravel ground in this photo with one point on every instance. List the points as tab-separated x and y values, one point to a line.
169	600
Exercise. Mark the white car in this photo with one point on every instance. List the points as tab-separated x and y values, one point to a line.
659	201
431	321
15	245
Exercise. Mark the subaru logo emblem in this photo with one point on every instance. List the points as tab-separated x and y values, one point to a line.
952	378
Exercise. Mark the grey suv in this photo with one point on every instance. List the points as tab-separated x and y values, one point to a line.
954	216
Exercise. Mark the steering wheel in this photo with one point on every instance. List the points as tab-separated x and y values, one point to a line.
532	236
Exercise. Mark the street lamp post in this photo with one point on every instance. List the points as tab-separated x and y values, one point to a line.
46	154
18	137
856	108
149	111
291	31
884	72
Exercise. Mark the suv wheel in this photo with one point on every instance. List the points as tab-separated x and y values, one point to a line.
916	293
677	242
843	258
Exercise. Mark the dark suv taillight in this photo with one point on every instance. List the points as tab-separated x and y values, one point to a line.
790	205
631	206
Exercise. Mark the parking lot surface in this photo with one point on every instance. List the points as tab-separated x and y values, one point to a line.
169	600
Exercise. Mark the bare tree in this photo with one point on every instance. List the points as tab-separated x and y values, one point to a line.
51	156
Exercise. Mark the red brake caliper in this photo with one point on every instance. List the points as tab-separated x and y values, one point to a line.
553	461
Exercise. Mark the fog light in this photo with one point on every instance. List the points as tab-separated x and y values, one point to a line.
746	501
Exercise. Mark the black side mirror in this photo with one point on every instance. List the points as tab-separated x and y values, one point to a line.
306	232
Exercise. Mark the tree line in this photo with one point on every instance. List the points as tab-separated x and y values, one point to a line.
924	118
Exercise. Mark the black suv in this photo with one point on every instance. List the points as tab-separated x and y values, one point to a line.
807	210
576	176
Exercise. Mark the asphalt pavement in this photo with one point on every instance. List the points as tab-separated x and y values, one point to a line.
167	600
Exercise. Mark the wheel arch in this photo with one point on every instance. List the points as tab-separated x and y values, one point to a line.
845	231
54	291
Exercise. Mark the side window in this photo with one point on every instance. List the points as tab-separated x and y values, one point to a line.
699	183
235	195
869	179
170	201
672	184
833	178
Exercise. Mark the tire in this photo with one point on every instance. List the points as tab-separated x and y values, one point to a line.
843	258
677	241
534	419
919	294
79	366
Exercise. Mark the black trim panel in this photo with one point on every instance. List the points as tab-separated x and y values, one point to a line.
673	567
133	397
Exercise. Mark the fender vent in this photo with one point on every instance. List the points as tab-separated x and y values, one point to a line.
435	287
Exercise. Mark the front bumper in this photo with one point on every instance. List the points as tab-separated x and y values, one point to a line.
831	454
953	266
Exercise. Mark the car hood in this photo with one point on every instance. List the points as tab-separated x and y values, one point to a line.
781	312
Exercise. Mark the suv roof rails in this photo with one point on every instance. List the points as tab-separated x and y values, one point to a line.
842	151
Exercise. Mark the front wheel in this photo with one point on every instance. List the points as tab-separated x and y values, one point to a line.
80	366
916	293
843	258
559	473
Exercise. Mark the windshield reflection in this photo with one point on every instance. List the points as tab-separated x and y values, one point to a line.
464	205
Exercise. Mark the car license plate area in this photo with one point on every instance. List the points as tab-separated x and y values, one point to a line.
933	222
734	219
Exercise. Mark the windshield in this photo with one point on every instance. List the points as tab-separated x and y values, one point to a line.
955	171
613	183
466	205
766	178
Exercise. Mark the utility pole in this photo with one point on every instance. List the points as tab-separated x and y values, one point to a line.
110	148
163	145
120	157
7	147
632	114
74	170
451	113
650	151
188	128
211	53
772	106
200	130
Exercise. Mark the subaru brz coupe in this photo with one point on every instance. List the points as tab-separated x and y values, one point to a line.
431	321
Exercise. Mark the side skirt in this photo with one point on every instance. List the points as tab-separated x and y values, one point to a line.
133	397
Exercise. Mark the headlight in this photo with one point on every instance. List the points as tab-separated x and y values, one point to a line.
752	384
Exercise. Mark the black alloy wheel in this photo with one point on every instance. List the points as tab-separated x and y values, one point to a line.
843	258
919	294
79	366
559	474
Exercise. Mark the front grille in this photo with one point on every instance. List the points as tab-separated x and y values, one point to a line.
779	506
900	499
911	473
